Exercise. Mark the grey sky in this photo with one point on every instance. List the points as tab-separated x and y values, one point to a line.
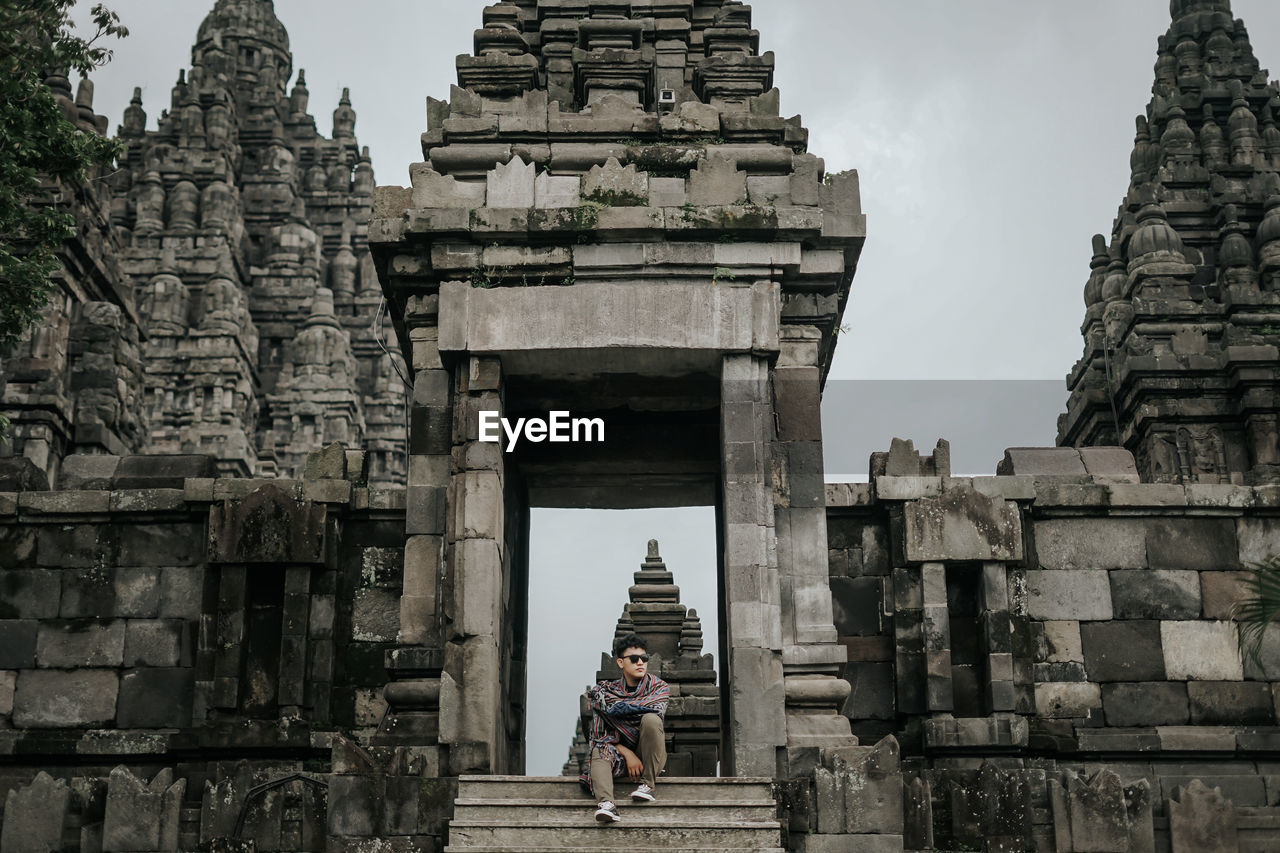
992	138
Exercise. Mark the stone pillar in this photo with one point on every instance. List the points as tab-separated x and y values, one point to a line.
939	695
908	640
755	724
811	656
228	649
430	440
1000	691
293	640
415	667
471	702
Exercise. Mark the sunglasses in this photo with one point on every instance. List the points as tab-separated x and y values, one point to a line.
636	658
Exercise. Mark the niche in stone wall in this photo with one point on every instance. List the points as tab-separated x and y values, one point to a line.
260	659
968	654
272	645
267	650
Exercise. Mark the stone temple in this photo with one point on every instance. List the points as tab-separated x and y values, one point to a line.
219	298
263	587
1180	361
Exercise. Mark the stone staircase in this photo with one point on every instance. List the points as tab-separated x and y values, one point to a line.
541	814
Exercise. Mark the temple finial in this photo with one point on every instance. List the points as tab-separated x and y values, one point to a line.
1181	8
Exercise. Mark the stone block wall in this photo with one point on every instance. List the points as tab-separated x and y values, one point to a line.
179	655
1058	640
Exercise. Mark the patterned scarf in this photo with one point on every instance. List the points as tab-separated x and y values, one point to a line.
616	718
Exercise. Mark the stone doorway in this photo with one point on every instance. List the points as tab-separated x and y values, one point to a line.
640	235
587	567
660	451
694	419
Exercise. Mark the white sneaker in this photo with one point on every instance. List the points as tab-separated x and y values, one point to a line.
607	812
643	794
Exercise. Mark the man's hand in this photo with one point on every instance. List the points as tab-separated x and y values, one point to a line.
635	767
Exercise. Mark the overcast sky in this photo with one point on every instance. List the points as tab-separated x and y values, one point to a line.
992	138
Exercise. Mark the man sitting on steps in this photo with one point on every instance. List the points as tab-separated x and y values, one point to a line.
627	719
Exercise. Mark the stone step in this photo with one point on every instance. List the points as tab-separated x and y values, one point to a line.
189	827
596	848
621	836
574	812
1258	818
532	814
752	790
575	795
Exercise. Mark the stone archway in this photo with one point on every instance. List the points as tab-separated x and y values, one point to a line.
676	265
676	433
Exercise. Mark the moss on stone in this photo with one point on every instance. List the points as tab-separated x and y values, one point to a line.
586	216
615	198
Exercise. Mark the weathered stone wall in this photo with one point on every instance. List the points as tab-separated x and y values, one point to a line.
1017	632
156	620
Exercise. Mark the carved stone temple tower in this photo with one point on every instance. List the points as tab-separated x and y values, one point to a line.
612	218
674	633
230	228
1181	364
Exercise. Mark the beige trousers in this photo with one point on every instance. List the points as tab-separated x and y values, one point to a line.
652	750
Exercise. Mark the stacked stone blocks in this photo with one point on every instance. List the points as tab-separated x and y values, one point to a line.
1109	633
156	612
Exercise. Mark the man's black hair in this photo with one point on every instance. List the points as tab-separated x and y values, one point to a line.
630	641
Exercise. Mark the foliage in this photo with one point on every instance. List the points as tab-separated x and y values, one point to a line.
485	277
587	215
1259	607
616	198
38	143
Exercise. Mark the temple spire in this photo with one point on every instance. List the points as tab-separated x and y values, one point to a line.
1179	9
249	23
1182	275
344	118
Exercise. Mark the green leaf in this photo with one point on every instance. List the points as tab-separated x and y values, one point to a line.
43	156
1259	607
